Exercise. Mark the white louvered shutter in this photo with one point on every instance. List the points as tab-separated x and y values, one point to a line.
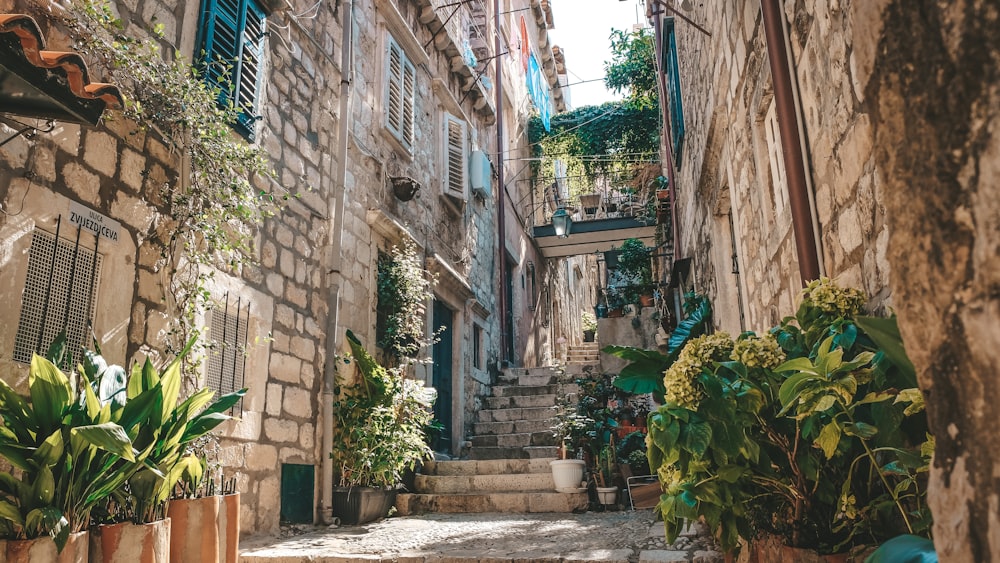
454	162
394	90
409	84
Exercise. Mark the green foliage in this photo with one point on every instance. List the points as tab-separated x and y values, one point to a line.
588	321
380	423
815	441
403	288
632	68
623	132
71	447
645	372
167	430
222	193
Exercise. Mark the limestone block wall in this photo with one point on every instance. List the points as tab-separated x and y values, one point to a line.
731	178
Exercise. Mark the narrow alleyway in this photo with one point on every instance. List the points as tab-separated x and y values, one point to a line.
611	537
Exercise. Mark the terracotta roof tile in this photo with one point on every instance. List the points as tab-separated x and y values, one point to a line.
71	63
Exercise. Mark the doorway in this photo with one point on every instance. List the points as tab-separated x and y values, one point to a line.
442	354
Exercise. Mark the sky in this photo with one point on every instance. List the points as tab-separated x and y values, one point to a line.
582	30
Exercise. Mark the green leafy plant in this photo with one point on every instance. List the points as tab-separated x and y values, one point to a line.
632	68
72	443
588	321
403	288
644	373
167	430
223	188
605	466
380	423
808	432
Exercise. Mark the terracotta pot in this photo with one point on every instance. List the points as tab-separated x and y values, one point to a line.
646	300
229	528
616	313
43	550
131	543
771	549
192	537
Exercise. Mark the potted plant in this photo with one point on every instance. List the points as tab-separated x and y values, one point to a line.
570	430
379	433
634	272
137	513
589	323
72	446
604	475
812	435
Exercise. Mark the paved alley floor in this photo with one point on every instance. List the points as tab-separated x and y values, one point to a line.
611	537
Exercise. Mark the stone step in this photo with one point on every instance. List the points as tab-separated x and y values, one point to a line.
530	380
520	401
514	440
486	467
515	414
527	452
524	390
510	502
469	484
512	427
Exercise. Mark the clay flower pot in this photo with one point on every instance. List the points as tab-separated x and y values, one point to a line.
41	550
193	537
131	543
229	528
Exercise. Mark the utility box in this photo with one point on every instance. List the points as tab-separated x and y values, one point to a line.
481	174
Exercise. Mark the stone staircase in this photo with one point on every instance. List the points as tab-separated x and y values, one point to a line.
508	469
586	353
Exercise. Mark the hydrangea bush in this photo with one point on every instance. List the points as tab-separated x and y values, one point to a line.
813	431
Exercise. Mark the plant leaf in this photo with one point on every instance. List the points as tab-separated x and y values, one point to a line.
829	439
109	437
885	333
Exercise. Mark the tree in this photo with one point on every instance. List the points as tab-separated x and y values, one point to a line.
632	68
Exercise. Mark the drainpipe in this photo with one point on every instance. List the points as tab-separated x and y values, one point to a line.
335	276
501	191
803	221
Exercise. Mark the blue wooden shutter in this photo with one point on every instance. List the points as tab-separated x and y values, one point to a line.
673	88
232	41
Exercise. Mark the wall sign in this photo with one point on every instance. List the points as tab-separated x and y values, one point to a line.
94	222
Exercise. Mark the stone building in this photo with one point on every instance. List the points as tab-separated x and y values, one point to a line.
421	115
854	140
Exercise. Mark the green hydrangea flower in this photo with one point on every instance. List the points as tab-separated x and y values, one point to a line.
679	379
758	352
828	297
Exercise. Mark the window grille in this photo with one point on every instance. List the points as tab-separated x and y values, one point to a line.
400	85
227	336
454	152
60	293
232	46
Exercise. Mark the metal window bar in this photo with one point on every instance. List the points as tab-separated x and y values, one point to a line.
228	332
51	288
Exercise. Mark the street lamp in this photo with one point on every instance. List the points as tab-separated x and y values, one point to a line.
561	222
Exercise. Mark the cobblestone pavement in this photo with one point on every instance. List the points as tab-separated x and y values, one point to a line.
609	537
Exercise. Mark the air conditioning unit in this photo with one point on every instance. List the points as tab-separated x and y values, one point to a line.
480	174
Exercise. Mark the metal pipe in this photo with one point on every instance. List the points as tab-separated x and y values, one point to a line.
791	144
501	191
335	275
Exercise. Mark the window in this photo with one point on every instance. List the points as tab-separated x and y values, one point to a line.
672	73
777	161
400	83
227	336
232	54
477	346
454	157
60	293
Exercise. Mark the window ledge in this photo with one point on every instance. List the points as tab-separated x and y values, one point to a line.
401	32
405	152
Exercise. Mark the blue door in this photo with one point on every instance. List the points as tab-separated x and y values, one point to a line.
442	354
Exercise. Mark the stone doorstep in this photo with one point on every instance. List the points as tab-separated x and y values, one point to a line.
486	467
511	427
505	502
465	484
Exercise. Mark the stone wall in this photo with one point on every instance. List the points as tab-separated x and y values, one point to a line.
898	105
